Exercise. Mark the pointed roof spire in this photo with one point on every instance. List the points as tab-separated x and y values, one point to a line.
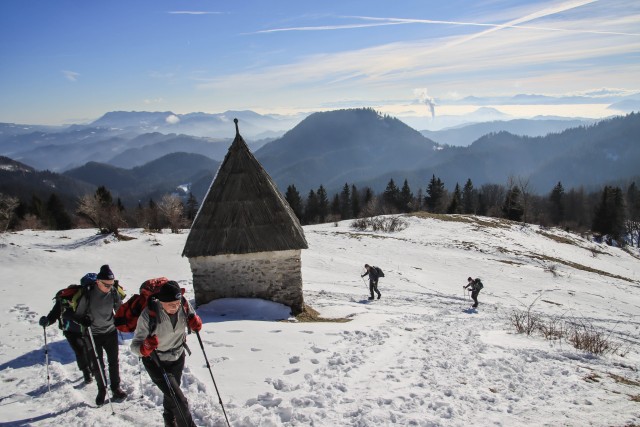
243	212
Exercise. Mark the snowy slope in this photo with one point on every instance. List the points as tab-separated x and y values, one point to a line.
414	357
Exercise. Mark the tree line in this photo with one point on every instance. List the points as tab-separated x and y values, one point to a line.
613	212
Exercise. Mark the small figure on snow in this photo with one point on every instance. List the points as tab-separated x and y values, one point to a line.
475	285
374	275
95	312
161	346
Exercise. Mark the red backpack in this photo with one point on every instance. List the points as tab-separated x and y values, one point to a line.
126	318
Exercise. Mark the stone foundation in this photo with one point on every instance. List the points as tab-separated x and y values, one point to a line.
273	276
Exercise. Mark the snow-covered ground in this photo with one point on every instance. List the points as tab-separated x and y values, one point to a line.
415	357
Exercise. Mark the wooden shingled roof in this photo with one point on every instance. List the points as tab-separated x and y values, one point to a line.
243	212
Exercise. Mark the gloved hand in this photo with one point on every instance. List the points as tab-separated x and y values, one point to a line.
149	344
44	322
195	323
85	321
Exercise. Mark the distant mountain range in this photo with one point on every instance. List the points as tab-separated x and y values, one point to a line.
356	146
465	135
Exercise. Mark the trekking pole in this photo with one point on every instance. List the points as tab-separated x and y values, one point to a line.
140	376
46	357
99	366
154	356
211	373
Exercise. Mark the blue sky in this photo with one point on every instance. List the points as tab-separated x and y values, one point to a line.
68	61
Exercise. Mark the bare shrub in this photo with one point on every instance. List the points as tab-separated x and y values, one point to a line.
8	206
553	328
387	224
585	336
360	224
172	210
525	321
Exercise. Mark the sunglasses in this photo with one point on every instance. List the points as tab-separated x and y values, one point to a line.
106	285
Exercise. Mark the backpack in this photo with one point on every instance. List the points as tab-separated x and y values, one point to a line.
68	299
478	285
88	279
380	272
126	318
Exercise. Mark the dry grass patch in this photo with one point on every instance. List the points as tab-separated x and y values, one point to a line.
623	380
558	239
310	315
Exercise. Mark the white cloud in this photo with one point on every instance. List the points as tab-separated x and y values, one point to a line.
192	12
172	119
154	101
72	76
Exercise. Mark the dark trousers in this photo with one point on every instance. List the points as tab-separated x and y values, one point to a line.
373	286
82	349
474	297
174	374
107	343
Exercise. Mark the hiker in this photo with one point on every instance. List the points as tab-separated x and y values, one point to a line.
160	339
95	311
475	285
373	274
75	335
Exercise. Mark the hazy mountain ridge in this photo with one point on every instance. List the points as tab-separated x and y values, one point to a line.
343	146
467	134
584	156
362	147
153	179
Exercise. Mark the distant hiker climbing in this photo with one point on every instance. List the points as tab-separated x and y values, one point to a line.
475	285
160	339
374	274
101	297
72	331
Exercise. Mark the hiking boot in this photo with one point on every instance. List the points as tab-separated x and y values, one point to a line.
169	420
102	392
370	298
379	295
118	394
88	379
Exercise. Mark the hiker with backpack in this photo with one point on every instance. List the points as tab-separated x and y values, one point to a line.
475	285
73	332
374	274
95	311
160	339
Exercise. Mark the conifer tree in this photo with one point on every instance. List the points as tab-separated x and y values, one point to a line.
323	204
609	216
345	202
455	207
512	208
468	198
556	202
355	202
311	208
57	216
391	195
405	199
335	206
191	208
435	195
295	201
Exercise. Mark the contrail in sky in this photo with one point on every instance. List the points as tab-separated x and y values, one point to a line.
494	27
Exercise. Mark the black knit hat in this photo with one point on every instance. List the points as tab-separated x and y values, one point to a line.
170	291
105	273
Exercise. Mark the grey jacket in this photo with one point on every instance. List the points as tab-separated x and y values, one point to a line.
100	307
170	338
